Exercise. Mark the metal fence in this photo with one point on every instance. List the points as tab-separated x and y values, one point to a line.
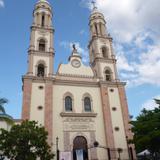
112	154
120	154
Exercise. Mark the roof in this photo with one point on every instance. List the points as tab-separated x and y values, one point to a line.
43	1
4	115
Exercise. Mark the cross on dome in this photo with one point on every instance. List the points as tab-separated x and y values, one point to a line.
94	4
95	9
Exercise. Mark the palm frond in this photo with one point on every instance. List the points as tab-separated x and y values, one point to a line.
2	102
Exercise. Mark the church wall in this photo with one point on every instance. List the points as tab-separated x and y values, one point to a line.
69	69
96	130
37	99
117	120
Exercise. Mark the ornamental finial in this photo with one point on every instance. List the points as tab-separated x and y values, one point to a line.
74	47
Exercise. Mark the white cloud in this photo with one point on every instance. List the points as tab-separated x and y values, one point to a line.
64	44
146	70
82	32
122	63
83	52
134	23
150	104
139	39
126	18
1	3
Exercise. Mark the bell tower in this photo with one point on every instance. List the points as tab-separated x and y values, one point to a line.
102	58
37	82
103	62
41	51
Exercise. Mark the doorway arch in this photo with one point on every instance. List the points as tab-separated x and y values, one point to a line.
80	143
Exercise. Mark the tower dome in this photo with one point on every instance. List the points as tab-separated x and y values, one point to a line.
97	23
95	13
45	1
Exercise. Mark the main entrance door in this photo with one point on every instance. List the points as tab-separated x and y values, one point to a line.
80	149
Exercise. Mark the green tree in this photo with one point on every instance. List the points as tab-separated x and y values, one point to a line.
25	141
3	115
146	130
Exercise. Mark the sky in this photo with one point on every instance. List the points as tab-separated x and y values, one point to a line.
133	24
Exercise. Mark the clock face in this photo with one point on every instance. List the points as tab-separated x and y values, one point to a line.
76	63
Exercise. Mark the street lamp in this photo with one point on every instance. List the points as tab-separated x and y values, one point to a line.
119	153
57	150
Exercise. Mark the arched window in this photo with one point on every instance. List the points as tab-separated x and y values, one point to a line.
96	29
108	75
43	20
100	26
42	45
40	70
105	52
87	104
68	104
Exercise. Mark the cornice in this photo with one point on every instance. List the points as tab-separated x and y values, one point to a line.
40	28
100	37
37	79
92	18
76	83
114	83
38	53
65	114
73	82
39	7
105	60
75	76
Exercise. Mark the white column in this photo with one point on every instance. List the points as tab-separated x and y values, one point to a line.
39	19
98	28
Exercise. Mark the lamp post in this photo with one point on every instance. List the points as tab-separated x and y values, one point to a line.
130	151
128	147
119	153
57	150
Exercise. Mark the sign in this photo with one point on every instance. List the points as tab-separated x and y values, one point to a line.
65	155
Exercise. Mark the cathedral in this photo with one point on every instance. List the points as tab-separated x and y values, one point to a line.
83	108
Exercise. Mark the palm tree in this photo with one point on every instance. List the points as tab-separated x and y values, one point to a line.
2	102
3	115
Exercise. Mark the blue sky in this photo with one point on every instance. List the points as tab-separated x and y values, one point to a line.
133	24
